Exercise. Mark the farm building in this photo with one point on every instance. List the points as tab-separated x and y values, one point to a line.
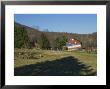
73	44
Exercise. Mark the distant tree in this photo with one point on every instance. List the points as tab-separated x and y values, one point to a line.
21	39
46	30
57	43
63	40
77	37
44	42
60	42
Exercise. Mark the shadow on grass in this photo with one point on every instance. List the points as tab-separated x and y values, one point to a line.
67	66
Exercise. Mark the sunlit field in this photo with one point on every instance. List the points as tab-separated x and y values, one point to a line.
36	62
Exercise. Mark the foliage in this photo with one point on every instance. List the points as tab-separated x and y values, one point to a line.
44	42
54	38
20	37
60	42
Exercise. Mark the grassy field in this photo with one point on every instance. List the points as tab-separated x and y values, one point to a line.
33	62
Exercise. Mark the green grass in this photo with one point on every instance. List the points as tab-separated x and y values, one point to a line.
49	60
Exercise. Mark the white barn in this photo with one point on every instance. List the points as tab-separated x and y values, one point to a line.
73	44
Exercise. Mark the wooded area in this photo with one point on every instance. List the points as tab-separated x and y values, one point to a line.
27	37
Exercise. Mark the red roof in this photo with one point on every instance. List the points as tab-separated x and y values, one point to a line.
73	41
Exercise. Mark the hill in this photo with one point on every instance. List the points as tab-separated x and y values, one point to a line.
34	35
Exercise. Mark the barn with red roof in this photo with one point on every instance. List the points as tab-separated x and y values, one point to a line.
73	44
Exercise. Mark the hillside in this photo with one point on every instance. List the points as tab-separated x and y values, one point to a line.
87	40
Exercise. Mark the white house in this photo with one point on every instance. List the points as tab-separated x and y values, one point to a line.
73	44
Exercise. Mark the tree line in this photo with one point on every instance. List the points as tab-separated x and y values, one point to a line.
25	37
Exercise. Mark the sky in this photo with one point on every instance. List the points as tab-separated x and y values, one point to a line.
71	23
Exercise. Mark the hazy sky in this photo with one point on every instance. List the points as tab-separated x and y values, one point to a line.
72	23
